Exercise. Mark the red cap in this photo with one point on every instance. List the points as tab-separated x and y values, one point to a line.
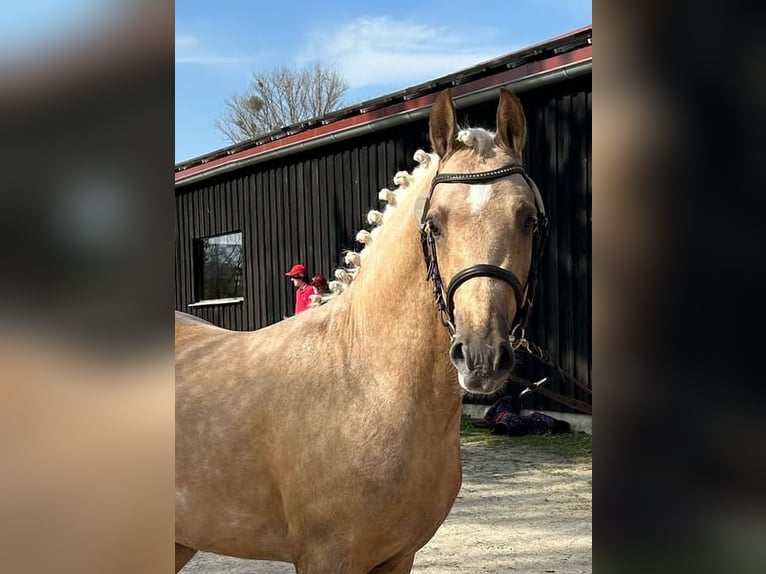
297	269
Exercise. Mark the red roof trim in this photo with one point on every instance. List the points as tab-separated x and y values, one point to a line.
505	77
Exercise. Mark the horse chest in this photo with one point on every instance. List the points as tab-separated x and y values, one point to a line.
421	484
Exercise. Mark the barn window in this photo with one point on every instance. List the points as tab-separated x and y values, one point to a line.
218	267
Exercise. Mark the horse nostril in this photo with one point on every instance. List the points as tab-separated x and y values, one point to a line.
504	359
456	353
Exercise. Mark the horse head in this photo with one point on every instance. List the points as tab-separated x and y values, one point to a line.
480	227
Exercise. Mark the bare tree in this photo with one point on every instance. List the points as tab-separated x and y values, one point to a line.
282	97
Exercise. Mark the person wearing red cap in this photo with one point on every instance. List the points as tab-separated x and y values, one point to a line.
321	288
303	290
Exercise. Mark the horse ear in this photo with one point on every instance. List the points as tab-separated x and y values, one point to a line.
442	124
511	124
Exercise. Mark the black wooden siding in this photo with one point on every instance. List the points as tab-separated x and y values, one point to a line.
559	159
308	207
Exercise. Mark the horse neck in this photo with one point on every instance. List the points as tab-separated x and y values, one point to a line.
393	319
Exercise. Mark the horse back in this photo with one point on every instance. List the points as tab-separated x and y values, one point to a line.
190	331
188	319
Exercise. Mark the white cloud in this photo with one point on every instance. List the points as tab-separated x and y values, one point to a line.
189	50
382	51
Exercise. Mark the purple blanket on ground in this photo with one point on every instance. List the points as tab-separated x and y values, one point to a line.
503	418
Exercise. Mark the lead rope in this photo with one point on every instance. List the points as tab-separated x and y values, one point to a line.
519	342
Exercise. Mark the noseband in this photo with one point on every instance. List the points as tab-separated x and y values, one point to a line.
428	242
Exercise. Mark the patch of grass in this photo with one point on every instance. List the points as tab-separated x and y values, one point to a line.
483	436
575	445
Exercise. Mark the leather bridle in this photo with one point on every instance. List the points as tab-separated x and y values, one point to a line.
445	300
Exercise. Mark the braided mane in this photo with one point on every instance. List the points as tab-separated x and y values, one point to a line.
405	182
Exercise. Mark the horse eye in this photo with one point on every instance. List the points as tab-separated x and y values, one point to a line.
434	227
530	223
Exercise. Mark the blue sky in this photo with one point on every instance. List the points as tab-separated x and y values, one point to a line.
379	47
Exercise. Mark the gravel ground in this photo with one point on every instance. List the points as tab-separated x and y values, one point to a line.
518	510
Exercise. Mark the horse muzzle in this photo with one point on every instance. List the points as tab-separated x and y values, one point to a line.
482	367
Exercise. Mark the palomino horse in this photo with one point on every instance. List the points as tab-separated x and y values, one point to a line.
331	439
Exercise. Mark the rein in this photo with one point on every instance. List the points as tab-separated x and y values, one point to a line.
445	298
